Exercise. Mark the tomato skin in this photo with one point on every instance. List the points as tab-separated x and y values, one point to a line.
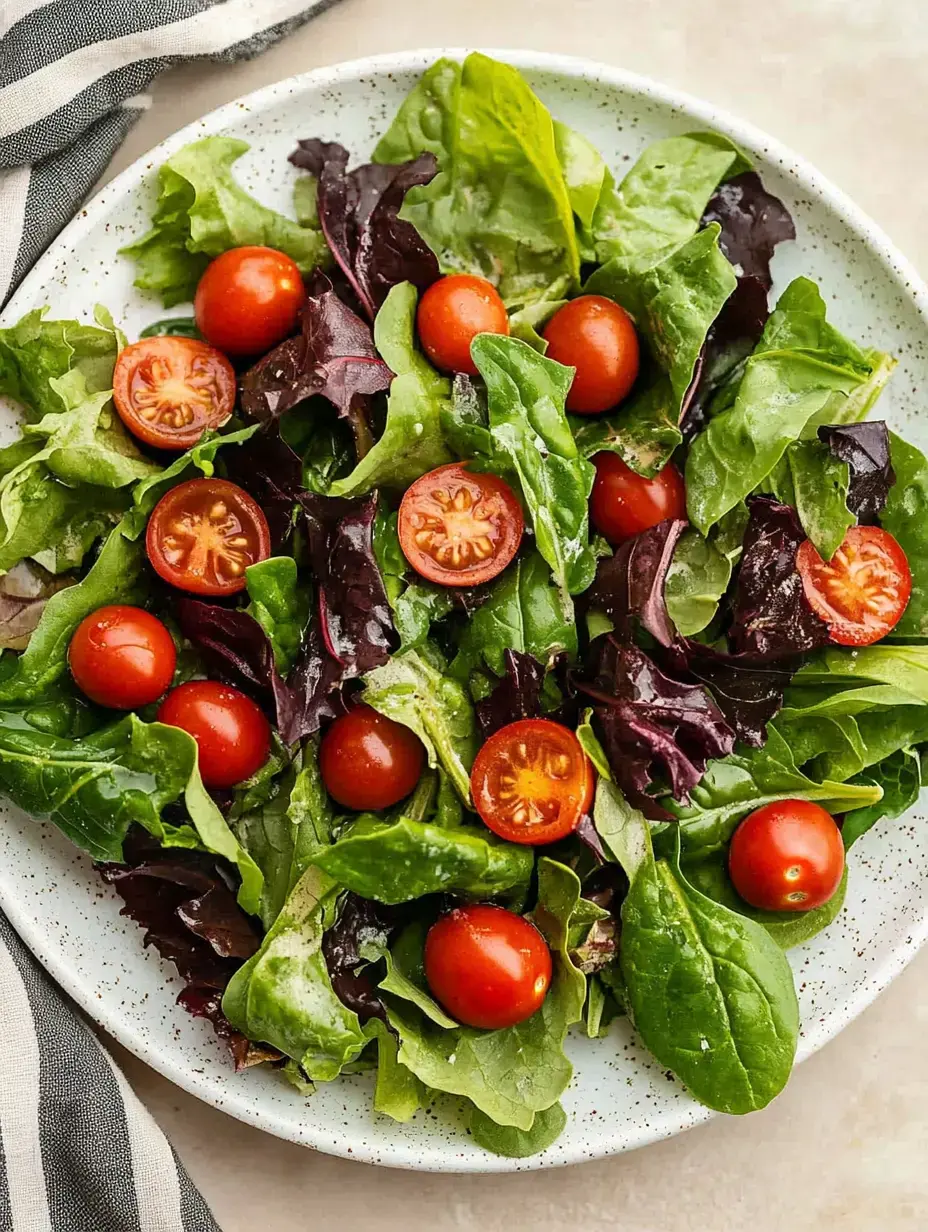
369	761
623	503
233	736
203	534
452	312
532	782
597	337
169	390
787	856
122	657
451	509
249	299
488	967
863	590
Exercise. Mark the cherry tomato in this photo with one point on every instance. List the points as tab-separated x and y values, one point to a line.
787	856
233	736
203	535
248	300
452	312
122	657
458	528
369	761
488	967
597	337
532	782
623	503
863	590
168	390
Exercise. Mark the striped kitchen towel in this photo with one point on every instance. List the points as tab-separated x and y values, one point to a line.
72	76
78	1152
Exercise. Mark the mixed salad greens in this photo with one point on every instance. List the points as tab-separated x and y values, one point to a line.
310	643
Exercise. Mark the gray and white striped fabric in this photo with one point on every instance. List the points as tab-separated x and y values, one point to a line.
78	1152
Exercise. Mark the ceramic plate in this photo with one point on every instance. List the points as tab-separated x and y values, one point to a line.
619	1097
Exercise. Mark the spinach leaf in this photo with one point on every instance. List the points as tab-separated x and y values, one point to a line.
415	610
812	479
558	916
905	516
280	605
900	777
802	373
115	577
523	613
903	667
532	441
513	1143
673	303
787	928
201	212
172	327
500	205
283	996
415	690
403	860
412	441
698	577
36	351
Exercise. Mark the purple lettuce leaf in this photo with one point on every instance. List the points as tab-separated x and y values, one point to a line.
773	619
652	728
516	696
865	449
629	585
359	213
190	915
753	222
270	471
231	643
361	922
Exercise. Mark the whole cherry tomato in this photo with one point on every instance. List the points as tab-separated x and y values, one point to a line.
488	967
863	590
452	312
787	856
532	782
203	535
458	528
168	390
623	503
249	299
233	736
596	336
369	761
122	657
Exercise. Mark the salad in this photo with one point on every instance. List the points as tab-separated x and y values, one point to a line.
485	615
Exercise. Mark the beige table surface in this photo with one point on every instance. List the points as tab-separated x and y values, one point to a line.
844	82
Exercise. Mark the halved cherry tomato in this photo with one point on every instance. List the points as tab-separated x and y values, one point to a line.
452	312
488	967
532	782
169	390
369	761
596	336
863	590
623	503
249	299
122	657
203	535
233	736
787	856
458	528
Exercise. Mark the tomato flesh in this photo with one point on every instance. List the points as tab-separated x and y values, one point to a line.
863	590
249	299
122	657
595	336
458	528
623	503
168	391
369	761
203	535
488	967
787	856
532	782
233	736
452	312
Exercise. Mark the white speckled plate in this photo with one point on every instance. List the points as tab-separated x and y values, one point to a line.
619	1097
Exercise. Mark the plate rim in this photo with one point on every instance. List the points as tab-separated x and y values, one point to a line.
807	177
